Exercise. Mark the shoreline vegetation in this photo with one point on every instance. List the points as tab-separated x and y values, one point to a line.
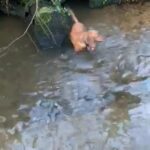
46	21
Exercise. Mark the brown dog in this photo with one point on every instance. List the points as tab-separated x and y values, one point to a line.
82	38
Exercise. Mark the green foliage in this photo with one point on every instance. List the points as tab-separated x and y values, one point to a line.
44	15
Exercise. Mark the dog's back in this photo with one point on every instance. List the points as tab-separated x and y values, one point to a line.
77	33
77	36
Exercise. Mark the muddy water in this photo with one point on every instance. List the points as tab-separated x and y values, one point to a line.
91	101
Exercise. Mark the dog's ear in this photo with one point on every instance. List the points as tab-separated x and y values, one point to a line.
99	38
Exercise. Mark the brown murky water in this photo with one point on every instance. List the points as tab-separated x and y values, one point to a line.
91	101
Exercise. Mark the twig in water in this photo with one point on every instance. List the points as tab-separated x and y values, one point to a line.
37	49
3	49
41	22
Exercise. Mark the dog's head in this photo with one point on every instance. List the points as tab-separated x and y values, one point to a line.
92	38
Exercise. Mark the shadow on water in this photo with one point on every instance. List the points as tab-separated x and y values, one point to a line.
54	100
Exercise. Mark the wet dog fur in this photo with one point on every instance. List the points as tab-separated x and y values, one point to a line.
82	38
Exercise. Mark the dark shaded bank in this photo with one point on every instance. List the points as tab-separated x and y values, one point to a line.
51	24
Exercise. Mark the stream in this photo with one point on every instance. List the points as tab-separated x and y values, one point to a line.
59	100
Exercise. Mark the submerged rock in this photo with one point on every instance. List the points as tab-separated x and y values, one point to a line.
52	32
56	32
45	111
